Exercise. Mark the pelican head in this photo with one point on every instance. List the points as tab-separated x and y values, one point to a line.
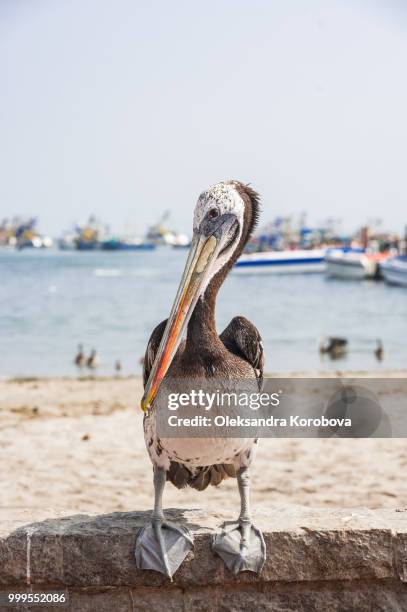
224	218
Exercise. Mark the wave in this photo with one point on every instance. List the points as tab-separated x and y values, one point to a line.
108	272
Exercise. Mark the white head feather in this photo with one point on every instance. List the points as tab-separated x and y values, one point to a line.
225	197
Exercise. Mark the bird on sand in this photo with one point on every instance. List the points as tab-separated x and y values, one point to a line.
92	361
118	366
225	217
379	350
80	357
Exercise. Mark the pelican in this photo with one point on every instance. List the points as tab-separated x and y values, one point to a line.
80	357
92	361
224	219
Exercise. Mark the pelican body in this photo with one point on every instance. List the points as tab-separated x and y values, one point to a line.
224	219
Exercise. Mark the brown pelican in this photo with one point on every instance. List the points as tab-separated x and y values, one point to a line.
92	361
80	357
224	219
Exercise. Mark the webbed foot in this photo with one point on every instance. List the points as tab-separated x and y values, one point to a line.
241	546
162	546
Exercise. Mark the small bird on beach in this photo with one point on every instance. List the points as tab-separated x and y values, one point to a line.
118	367
333	346
224	219
92	361
379	350
80	357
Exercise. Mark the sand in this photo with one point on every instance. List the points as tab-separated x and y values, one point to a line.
78	445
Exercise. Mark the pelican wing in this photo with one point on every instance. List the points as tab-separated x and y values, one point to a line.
151	350
242	338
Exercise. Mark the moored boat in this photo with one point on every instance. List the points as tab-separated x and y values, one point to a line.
34	241
394	270
282	262
117	244
353	264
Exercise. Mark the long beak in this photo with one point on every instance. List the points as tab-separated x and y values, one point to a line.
204	251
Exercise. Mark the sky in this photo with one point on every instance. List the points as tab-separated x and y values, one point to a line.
127	108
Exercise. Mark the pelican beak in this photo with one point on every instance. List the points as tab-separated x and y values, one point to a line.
205	247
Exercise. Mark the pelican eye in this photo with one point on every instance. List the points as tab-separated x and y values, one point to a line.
213	213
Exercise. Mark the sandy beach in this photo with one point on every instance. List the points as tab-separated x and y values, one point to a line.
77	444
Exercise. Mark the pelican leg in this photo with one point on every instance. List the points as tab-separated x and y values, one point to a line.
241	545
162	545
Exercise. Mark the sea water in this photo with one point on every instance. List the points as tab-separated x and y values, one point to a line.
50	301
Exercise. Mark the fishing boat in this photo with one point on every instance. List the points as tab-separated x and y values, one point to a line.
87	237
34	241
394	270
282	262
161	235
353	264
22	234
124	244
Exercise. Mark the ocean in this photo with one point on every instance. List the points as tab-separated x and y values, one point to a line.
50	301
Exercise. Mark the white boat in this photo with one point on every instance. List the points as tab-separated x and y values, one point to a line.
394	270
353	264
282	262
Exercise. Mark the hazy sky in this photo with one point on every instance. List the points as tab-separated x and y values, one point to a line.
125	108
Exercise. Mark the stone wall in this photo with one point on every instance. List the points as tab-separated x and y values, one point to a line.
317	559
